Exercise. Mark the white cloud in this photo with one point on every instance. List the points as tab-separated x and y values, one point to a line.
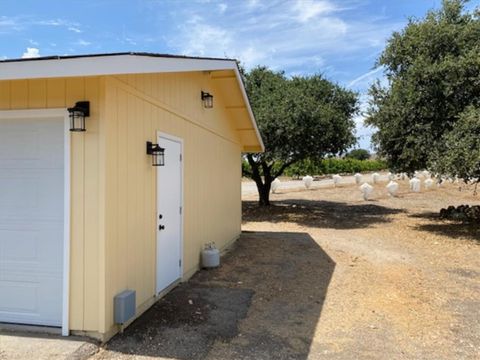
9	24
309	9
198	36
222	7
366	79
82	42
75	29
303	37
31	53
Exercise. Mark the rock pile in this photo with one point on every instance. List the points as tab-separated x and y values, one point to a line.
462	213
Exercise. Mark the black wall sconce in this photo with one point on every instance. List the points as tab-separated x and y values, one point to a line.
207	100
157	152
78	113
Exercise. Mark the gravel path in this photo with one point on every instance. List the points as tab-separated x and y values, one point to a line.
322	274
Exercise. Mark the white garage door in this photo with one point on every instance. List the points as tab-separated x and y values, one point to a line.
31	220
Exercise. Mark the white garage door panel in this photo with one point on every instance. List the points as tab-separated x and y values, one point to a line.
31	220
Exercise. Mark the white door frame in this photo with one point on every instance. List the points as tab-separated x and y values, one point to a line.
57	113
180	141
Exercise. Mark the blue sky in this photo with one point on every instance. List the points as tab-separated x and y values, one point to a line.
338	38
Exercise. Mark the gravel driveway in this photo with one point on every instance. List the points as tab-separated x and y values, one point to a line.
323	274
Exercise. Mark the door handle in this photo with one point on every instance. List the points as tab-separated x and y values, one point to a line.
161	227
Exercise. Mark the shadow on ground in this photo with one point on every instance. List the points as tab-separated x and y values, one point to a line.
264	302
325	214
451	228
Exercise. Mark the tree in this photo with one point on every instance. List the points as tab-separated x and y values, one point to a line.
460	154
298	118
433	72
359	154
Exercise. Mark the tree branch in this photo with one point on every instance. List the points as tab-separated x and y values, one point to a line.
283	167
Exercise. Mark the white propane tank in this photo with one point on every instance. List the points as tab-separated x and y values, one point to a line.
336	179
358	178
415	185
275	185
366	190
428	183
392	188
210	256
307	181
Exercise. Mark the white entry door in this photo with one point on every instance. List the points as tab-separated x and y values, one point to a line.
31	220
169	214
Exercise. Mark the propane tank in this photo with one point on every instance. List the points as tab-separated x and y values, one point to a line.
210	256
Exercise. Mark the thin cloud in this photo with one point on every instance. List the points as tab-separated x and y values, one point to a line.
222	8
309	9
75	29
10	24
82	42
365	79
277	34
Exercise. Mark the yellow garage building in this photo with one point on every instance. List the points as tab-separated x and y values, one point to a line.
115	170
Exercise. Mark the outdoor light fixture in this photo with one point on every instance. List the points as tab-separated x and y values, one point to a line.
207	100
78	114
157	152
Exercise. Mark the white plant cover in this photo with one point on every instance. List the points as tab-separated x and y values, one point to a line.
275	185
307	181
336	179
415	184
403	176
375	177
428	183
366	190
418	174
391	176
392	188
426	174
358	178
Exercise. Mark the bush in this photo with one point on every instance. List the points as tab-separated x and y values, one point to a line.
359	154
331	166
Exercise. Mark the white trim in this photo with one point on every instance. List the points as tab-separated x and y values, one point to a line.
56	113
117	65
107	65
66	227
180	141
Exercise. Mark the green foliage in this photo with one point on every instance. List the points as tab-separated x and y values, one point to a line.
329	166
334	166
359	154
460	153
433	72
301	116
298	118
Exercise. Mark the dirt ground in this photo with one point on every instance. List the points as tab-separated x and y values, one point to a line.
323	274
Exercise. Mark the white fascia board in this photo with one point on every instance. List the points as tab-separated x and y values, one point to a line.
107	65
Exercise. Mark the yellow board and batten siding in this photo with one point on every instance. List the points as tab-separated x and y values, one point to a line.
137	107
85	311
113	205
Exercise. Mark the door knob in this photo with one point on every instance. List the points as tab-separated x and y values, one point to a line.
161	227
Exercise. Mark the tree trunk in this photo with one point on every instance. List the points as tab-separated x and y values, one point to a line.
263	193
263	185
